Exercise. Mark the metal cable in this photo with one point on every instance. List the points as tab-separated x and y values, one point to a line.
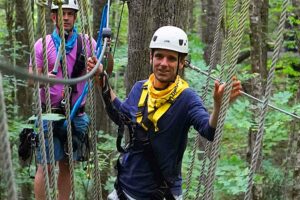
42	5
5	153
36	97
208	192
20	72
244	93
264	108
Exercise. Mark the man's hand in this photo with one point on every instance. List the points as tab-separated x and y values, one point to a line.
218	95
51	75
219	91
92	61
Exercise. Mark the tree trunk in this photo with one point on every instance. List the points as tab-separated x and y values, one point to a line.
49	23
258	54
24	93
22	31
144	18
191	17
296	173
296	11
140	31
209	20
9	12
103	122
97	14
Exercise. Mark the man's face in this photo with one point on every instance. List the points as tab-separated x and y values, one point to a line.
69	18
164	64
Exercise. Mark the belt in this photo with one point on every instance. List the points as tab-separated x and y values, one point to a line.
61	111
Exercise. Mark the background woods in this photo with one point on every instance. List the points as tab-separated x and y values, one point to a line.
277	173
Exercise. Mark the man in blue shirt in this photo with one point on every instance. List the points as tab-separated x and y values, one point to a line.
162	109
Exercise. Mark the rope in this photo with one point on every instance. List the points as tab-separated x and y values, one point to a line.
204	96
36	96
208	194
97	191
67	94
208	145
228	38
119	26
42	5
264	108
5	153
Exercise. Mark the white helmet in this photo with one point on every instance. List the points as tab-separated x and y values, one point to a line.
72	4
171	38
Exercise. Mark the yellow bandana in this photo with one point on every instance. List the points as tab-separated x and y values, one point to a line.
159	101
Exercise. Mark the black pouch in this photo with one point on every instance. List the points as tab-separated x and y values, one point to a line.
82	146
28	141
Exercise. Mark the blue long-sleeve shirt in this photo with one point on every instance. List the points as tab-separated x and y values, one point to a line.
135	175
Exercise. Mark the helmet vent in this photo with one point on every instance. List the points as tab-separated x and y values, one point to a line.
154	38
180	42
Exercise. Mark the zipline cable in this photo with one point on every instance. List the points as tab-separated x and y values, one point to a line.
188	64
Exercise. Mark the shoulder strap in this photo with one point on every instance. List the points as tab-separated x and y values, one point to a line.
79	65
158	175
141	105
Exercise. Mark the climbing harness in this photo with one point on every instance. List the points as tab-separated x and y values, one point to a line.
137	141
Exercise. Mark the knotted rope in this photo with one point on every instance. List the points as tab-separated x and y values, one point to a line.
208	192
97	190
67	94
42	5
204	98
37	98
5	153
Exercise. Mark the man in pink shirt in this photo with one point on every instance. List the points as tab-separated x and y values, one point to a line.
75	67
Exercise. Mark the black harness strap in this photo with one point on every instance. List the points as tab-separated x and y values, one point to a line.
79	65
164	190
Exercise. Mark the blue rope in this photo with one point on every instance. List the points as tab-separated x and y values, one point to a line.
98	53
78	103
102	25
